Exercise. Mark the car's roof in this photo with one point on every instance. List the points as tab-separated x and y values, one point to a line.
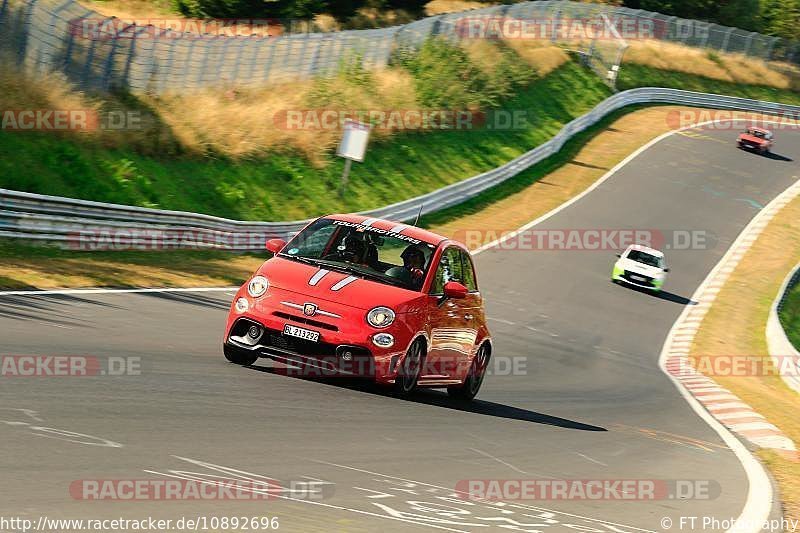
643	248
395	227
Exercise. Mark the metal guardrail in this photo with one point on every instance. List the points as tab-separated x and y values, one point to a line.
87	225
779	346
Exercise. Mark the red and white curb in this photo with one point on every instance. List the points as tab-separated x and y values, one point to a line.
723	405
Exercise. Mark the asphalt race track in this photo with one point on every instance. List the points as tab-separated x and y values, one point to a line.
588	400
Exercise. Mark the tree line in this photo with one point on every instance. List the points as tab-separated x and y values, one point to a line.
773	17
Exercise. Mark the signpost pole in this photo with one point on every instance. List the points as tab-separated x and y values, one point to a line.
352	148
347	164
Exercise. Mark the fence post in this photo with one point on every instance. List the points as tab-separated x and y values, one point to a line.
25	34
727	38
556	24
3	11
87	66
749	43
771	47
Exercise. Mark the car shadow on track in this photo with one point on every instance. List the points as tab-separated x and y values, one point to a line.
662	295
777	157
439	398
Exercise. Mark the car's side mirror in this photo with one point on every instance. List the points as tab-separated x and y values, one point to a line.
618	255
275	245
454	289
666	270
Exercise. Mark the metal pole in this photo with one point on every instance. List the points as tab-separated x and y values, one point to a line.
347	164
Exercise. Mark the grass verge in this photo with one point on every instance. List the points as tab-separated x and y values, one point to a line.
735	325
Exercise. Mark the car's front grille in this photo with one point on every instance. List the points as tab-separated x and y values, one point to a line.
299	346
307	321
642	279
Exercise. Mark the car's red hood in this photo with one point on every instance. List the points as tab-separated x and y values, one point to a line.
362	293
752	139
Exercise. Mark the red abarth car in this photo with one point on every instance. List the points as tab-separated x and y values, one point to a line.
357	296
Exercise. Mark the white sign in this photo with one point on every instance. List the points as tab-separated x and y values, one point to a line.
354	140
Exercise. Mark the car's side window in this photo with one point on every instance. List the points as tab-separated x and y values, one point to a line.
469	272
450	269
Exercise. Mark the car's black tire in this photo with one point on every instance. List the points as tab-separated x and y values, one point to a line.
410	368
239	357
477	371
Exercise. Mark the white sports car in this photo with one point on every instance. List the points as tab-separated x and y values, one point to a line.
640	266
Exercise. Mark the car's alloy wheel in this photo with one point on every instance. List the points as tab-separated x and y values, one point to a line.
474	380
409	371
239	357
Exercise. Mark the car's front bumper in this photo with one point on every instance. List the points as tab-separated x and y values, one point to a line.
653	284
333	355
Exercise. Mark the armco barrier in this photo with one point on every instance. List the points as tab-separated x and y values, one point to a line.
778	344
30	216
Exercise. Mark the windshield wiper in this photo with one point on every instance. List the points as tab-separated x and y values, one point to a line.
301	259
351	269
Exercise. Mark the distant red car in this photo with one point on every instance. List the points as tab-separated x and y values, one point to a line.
757	139
357	296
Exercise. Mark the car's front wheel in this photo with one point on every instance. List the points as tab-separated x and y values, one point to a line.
239	357
410	369
477	371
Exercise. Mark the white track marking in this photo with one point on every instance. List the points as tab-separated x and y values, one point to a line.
115	291
490	456
310	502
467	494
595	461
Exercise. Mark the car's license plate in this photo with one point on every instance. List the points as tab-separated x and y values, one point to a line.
637	278
749	146
301	333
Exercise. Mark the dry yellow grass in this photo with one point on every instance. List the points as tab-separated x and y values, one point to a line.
542	55
439	7
243	122
133	9
735	325
727	67
20	91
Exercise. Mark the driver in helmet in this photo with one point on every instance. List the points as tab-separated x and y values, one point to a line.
414	261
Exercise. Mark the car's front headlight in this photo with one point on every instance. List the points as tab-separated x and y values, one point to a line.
380	317
257	286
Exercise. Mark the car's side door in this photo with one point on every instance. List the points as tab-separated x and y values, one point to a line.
452	330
